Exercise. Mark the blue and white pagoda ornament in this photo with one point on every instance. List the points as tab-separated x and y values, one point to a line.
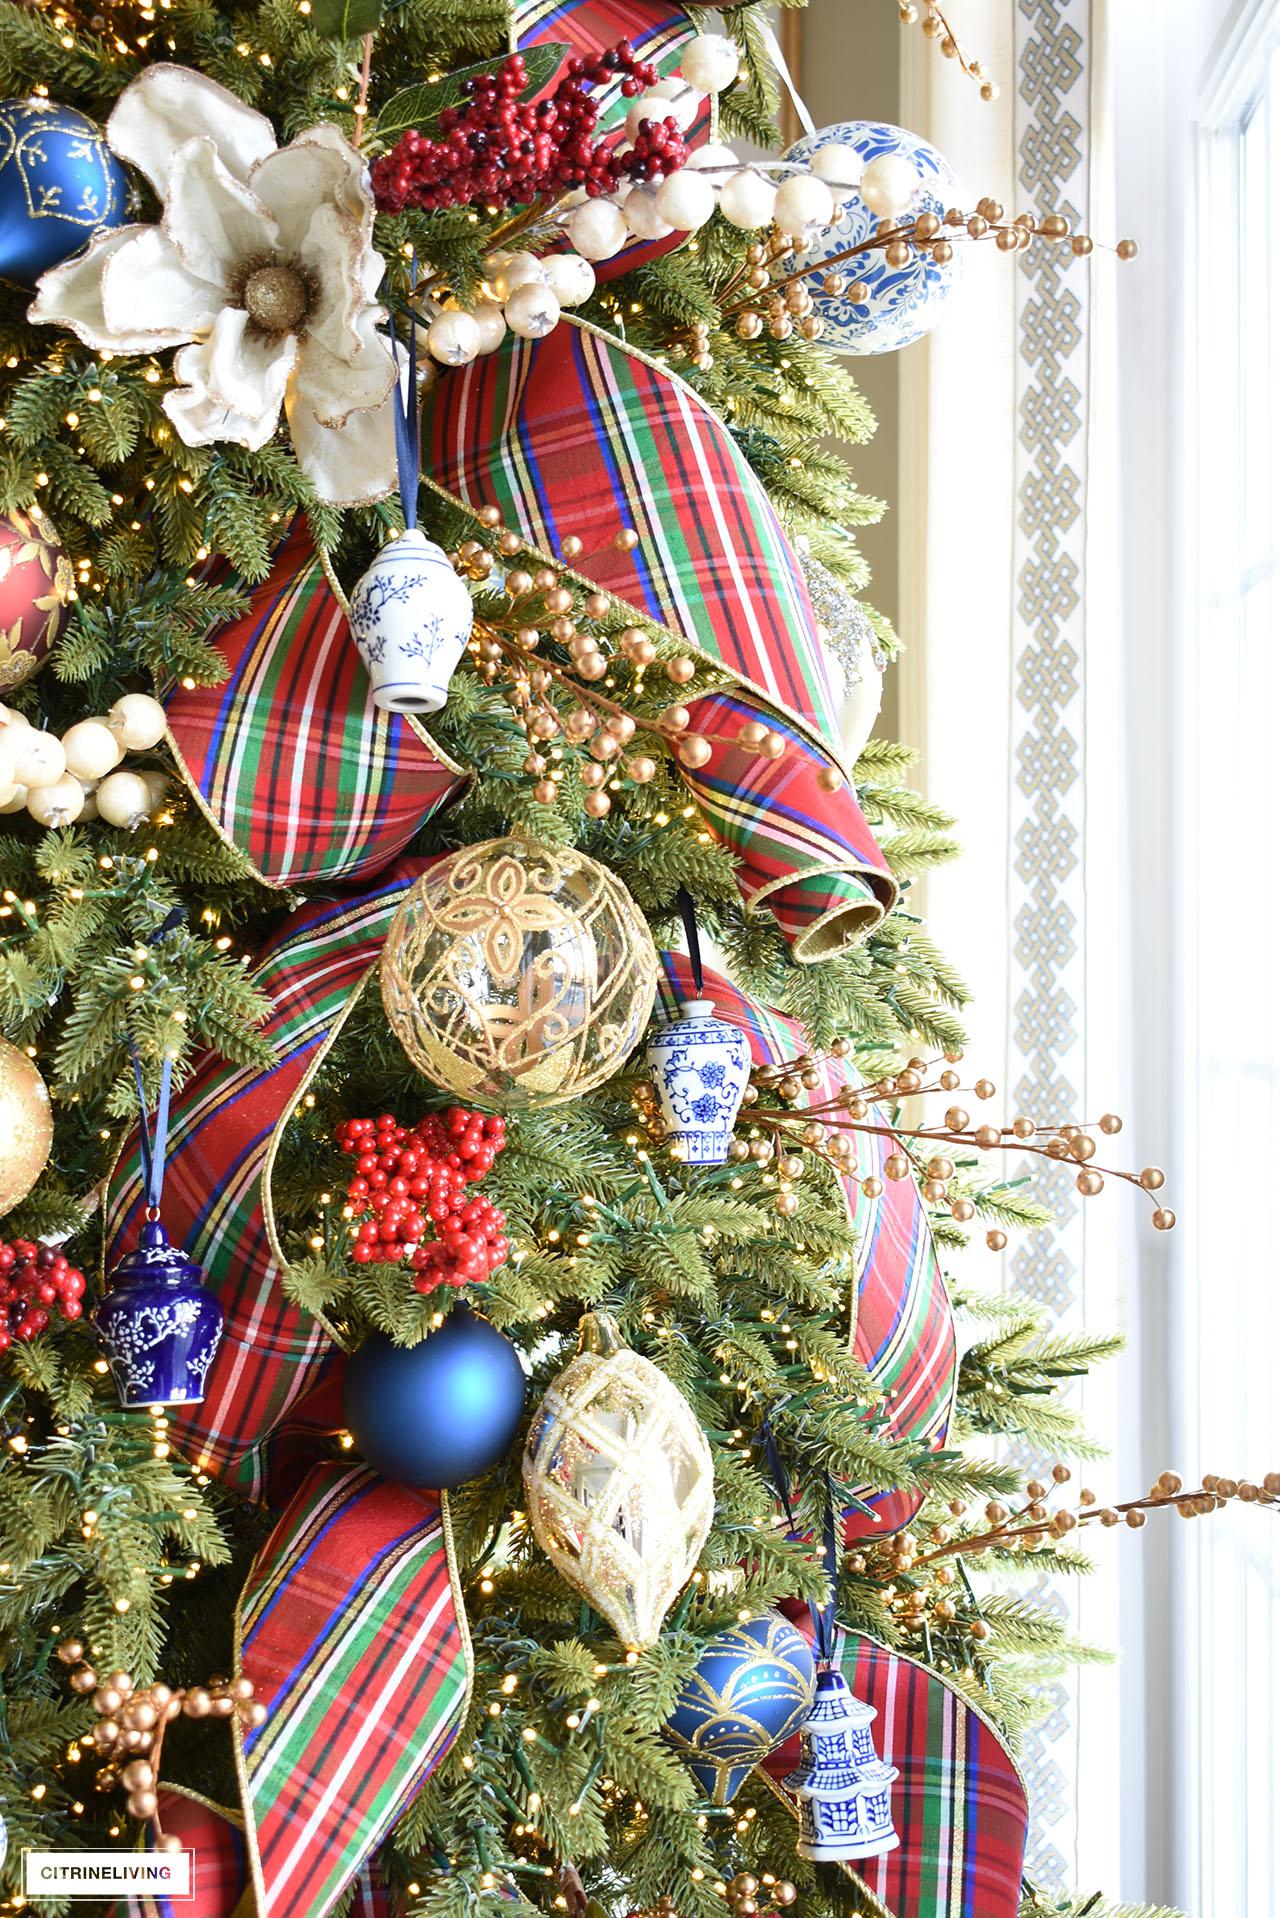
842	1786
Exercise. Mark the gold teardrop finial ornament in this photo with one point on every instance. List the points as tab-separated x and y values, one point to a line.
618	1481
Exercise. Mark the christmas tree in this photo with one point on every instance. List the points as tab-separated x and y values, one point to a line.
432	600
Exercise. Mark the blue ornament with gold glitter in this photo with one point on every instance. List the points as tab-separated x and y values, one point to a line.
750	1690
60	183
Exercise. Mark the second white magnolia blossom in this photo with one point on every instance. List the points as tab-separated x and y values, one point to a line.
262	271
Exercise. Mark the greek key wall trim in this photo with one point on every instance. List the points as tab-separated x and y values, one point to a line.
1047	877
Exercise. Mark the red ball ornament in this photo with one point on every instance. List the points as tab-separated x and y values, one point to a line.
36	587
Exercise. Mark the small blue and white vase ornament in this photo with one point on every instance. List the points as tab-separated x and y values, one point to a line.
903	303
60	183
410	613
843	1787
159	1326
748	1693
699	1065
411	620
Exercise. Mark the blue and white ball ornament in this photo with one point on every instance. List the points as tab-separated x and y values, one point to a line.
903	303
751	1689
60	183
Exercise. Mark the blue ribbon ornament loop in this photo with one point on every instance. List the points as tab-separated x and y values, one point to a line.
824	1616
408	418
154	1147
689	916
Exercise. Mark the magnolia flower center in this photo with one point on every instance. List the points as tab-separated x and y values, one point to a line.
276	298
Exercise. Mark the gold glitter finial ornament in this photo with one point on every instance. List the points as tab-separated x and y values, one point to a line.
618	1479
26	1126
518	975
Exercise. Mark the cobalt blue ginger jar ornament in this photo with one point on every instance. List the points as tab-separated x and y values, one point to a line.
60	183
877	172
748	1693
843	1787
158	1325
699	1066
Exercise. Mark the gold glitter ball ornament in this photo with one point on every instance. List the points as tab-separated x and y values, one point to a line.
618	1482
518	975
26	1126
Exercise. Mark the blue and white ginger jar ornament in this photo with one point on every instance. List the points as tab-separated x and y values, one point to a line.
60	183
411	620
159	1326
903	303
699	1066
843	1787
747	1694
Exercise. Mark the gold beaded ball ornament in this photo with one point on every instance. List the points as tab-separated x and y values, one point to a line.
518	975
26	1126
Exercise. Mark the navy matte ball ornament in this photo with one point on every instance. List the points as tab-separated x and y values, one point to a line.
60	183
438	1413
750	1690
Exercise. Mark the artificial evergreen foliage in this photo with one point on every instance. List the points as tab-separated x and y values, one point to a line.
106	936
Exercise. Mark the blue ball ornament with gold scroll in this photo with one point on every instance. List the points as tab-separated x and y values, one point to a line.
60	183
749	1691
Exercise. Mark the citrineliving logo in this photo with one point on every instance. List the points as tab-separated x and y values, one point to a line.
91	1874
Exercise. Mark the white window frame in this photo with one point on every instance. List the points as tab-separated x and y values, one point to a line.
1225	1674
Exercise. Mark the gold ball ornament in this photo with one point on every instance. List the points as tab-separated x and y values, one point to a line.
517	974
26	1126
618	1481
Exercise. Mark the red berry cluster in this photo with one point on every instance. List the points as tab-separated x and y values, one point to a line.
32	1279
410	1180
501	152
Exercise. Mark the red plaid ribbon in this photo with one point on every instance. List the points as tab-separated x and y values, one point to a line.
804	854
220	1867
350	1617
288	758
222	1130
351	1630
574	432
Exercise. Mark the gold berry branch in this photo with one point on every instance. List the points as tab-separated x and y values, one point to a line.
785	302
825	1127
131	1723
547	600
1034	1521
935	26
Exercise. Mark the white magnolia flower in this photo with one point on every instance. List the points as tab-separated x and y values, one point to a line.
262	271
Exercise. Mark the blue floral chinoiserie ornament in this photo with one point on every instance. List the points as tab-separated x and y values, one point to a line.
842	1786
699	1066
410	619
60	183
159	1326
905	177
748	1693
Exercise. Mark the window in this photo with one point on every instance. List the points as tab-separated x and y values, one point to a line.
1227	1295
